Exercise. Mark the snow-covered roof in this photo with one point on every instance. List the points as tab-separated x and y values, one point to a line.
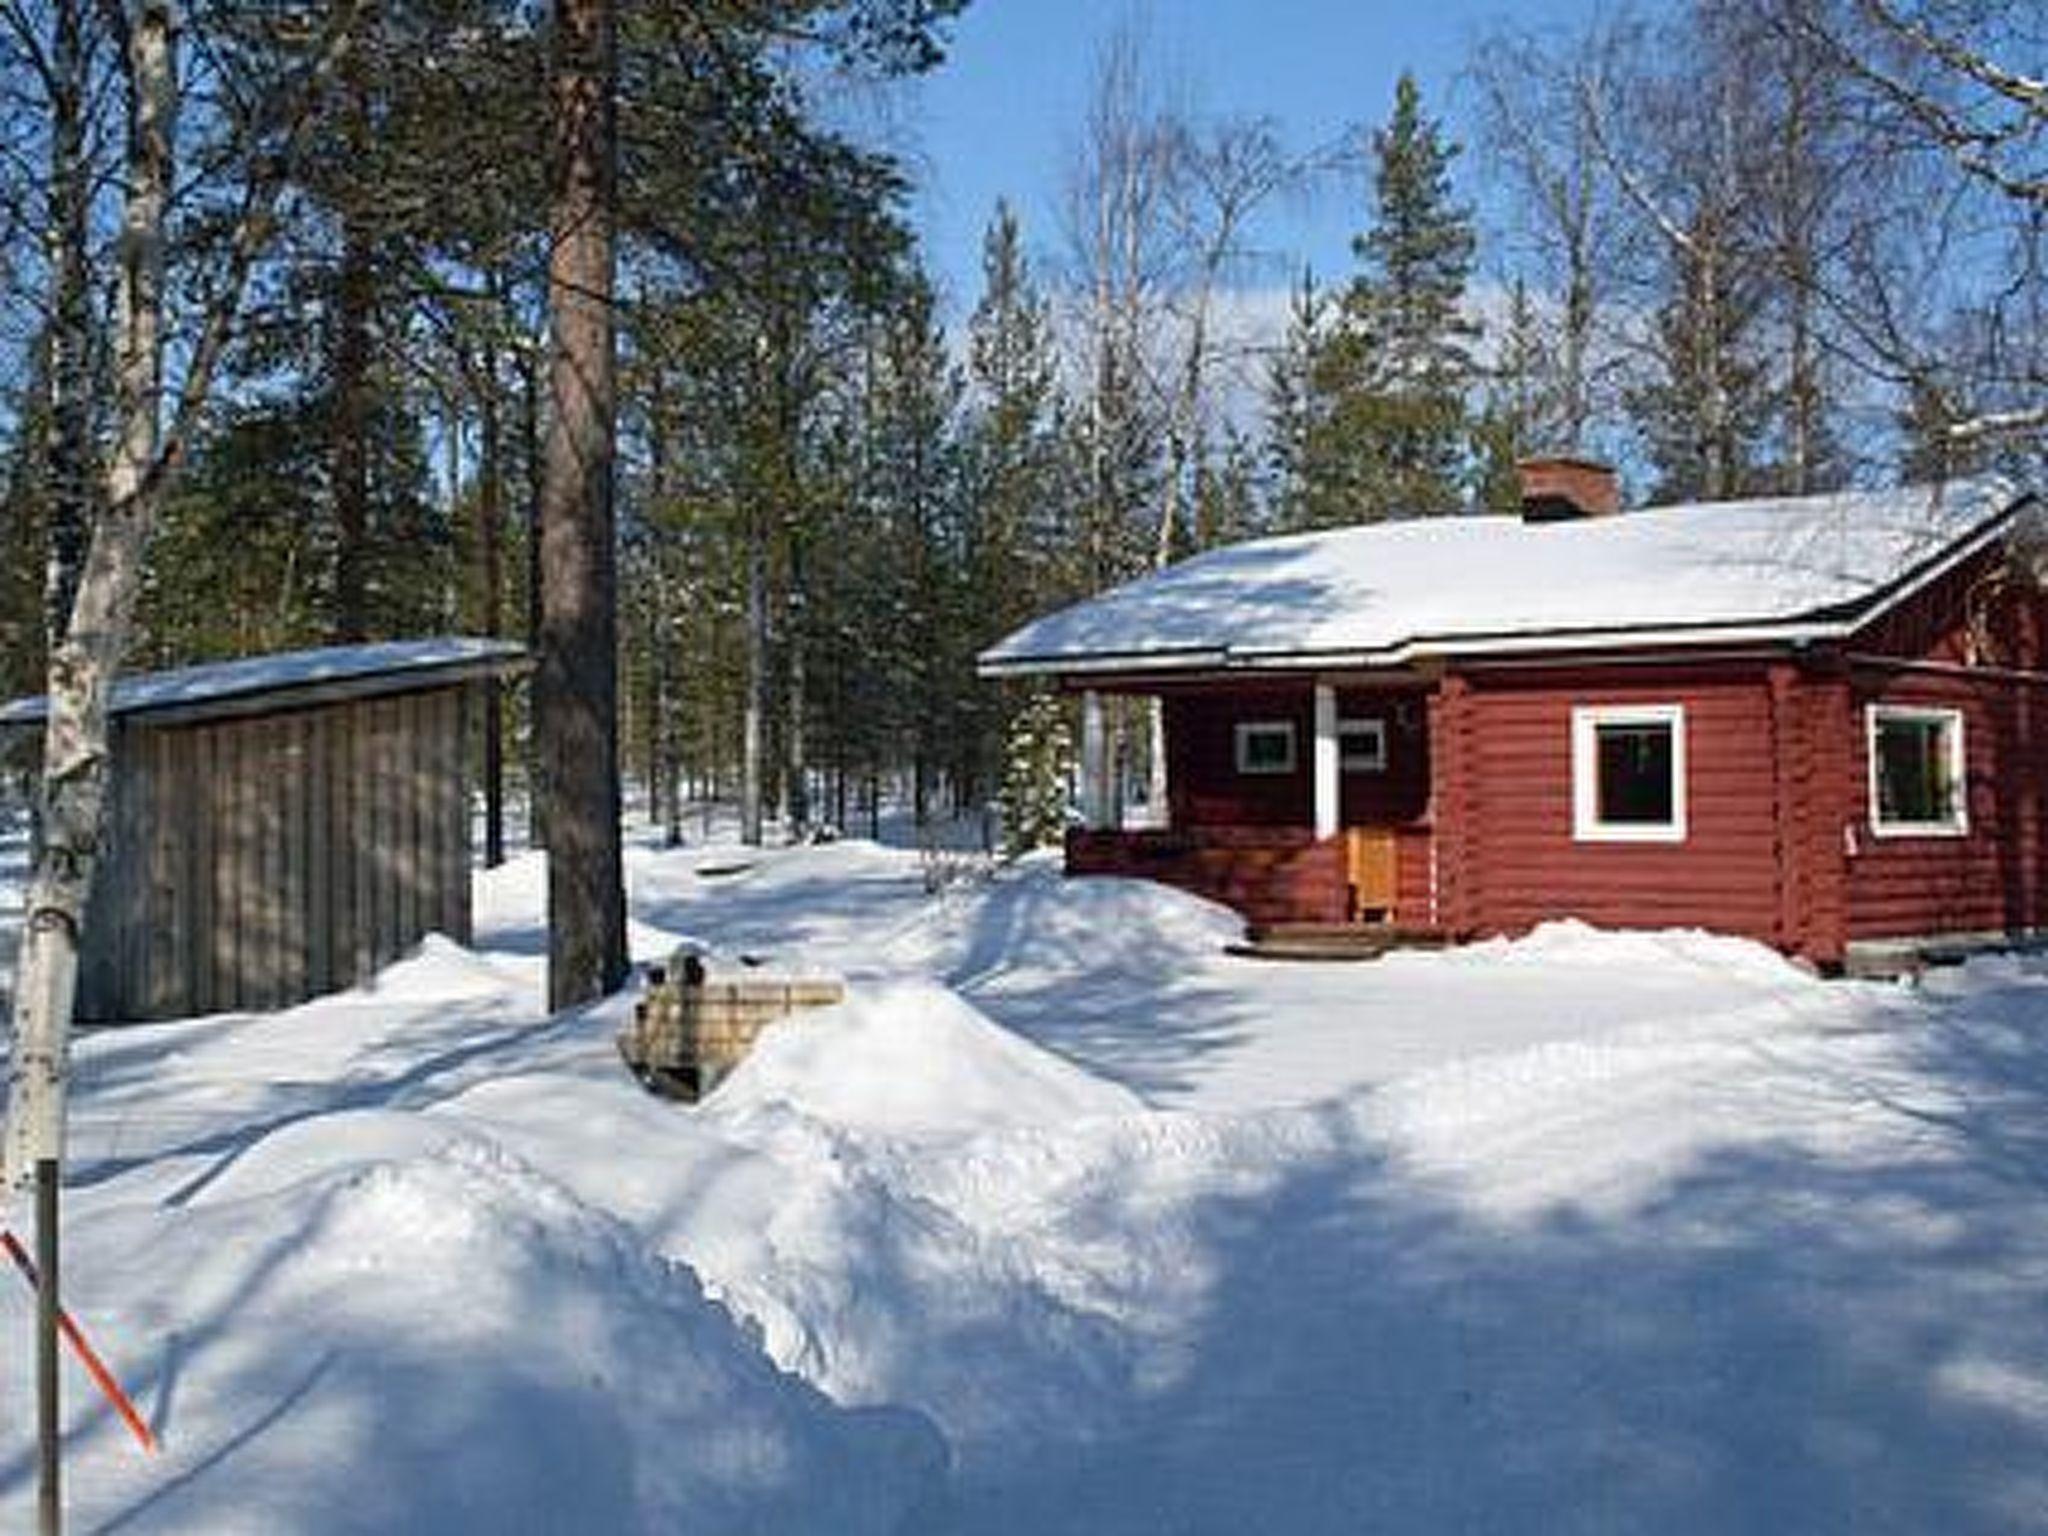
389	666
1787	569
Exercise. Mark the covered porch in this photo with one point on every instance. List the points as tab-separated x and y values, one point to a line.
1294	800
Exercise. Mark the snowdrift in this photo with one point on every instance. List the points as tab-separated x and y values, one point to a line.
912	1059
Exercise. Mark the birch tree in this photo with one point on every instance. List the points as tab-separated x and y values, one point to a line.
1680	146
1538	129
1945	299
140	466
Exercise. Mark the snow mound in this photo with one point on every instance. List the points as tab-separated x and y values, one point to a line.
1167	923
439	969
1568	941
1034	922
461	1344
913	1059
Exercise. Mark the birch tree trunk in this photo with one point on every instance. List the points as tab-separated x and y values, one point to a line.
82	666
576	684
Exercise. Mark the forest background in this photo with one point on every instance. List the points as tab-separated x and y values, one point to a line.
1739	248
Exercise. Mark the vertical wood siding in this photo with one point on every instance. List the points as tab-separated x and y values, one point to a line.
256	862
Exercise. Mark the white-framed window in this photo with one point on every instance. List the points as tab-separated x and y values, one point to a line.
1916	771
1628	773
1265	746
1362	744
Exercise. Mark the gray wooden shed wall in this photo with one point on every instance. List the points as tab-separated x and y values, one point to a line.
259	860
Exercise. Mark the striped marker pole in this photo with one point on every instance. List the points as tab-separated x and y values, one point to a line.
87	1356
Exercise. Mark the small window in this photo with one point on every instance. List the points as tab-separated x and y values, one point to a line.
1916	772
1362	745
1628	774
1265	746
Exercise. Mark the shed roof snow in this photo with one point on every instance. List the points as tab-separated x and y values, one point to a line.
288	677
1390	592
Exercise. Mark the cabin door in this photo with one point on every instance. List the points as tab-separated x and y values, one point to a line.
1369	872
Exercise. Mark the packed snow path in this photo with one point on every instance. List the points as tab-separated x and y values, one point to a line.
1067	1222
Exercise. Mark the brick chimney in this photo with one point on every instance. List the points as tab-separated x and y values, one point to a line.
1559	490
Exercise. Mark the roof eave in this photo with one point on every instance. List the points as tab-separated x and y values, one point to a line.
1100	662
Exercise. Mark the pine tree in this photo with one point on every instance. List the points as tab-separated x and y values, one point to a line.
1011	447
1017	538
1296	412
919	639
575	687
1398	369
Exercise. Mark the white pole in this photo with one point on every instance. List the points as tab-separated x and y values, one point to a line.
1094	763
1325	762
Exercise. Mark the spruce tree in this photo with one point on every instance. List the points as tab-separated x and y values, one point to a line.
1038	758
1297	408
1397	372
1017	540
1012	451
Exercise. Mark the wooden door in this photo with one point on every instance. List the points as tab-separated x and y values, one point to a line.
1369	870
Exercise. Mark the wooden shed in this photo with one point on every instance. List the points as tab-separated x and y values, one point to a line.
281	826
1818	722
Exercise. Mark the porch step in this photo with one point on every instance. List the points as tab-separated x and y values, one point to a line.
1333	941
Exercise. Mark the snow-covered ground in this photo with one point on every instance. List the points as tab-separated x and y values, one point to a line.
1067	1222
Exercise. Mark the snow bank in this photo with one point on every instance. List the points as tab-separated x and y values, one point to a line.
912	1059
1066	1221
1568	941
459	1344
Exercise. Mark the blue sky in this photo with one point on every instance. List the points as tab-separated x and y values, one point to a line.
1002	115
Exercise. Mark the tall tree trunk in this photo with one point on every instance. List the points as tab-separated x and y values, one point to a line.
83	665
491	548
70	372
796	786
536	767
668	710
576	685
755	708
665	769
349	423
136	479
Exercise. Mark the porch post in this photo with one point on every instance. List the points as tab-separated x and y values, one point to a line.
1094	763
1325	761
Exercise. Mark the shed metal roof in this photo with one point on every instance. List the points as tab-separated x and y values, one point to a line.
290	679
1385	593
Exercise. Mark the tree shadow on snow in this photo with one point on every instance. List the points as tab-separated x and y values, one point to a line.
1782	1335
1105	994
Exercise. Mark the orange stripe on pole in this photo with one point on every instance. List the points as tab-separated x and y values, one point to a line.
87	1356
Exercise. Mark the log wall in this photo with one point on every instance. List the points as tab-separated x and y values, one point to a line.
1270	874
1506	761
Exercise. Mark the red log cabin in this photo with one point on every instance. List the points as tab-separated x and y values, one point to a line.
1821	723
